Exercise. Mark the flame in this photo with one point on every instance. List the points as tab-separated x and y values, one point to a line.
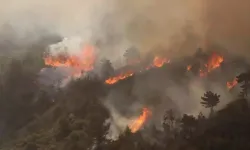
84	62
62	61
159	62
231	84
189	67
213	62
113	80
138	123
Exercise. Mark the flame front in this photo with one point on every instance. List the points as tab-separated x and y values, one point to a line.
231	84
84	62
115	79
157	63
138	123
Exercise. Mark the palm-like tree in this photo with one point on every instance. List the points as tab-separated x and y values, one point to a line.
210	100
244	79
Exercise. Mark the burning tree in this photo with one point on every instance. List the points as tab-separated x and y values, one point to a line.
210	100
139	122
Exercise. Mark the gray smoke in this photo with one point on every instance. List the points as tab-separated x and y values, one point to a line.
114	25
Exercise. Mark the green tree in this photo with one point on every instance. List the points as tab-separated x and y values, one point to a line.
210	100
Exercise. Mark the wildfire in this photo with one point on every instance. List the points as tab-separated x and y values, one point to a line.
113	80
84	62
231	84
138	123
213	62
157	62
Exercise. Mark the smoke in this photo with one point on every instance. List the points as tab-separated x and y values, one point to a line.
228	25
114	25
161	92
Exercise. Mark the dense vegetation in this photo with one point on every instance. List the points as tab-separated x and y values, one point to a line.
35	117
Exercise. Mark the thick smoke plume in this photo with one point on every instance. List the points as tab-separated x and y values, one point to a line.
114	25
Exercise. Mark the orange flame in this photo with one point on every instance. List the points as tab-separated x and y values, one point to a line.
79	63
157	62
113	80
213	62
231	84
62	61
189	67
139	122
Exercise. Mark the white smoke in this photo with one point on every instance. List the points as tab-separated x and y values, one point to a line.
71	45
